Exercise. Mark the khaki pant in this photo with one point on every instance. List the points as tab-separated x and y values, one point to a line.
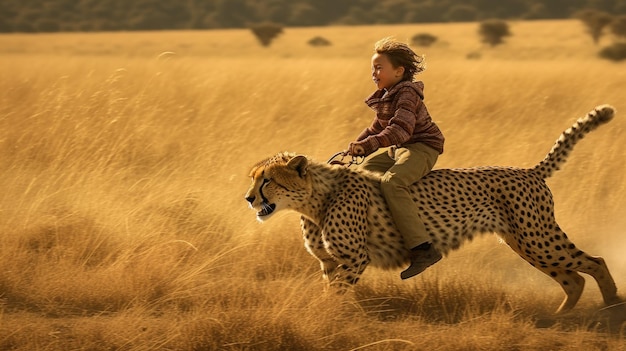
410	163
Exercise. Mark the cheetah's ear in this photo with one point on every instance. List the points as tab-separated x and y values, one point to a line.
299	164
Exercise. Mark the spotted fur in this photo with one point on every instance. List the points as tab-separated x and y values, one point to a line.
347	226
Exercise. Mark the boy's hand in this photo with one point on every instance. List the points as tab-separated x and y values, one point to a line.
356	149
363	147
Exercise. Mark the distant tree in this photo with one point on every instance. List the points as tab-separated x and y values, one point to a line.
357	15
96	15
502	9
24	26
620	7
391	11
614	52
536	11
426	12
150	19
423	39
563	8
595	21
618	26
303	14
461	13
231	13
493	31
273	10
8	12
5	26
380	15
266	32
319	41
474	55
47	25
329	10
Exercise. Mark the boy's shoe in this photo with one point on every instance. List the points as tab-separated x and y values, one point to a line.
422	257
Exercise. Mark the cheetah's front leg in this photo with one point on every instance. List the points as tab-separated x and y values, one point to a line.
346	276
314	244
344	237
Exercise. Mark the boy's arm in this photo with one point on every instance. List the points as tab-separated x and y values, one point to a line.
400	127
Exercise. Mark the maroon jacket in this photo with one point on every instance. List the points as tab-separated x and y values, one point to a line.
401	118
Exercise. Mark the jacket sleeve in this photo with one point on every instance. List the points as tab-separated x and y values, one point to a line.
373	129
364	134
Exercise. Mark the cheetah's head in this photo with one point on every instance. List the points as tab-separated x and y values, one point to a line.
279	182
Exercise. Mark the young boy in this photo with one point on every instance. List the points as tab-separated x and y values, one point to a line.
402	143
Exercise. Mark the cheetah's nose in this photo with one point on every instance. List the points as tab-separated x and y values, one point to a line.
250	199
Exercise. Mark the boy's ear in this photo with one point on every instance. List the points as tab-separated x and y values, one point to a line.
400	71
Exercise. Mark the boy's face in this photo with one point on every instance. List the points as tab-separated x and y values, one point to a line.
383	73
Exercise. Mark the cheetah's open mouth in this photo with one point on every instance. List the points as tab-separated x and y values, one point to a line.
266	209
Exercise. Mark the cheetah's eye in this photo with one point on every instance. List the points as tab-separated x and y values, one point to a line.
265	182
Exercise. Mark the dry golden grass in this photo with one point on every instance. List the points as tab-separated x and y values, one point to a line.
124	225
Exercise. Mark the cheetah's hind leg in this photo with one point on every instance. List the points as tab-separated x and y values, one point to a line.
564	264
562	261
572	258
596	267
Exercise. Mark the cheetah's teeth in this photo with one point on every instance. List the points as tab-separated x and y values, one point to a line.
266	210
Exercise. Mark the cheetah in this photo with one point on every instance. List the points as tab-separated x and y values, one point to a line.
347	226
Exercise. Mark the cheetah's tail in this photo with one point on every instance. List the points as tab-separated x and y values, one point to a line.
565	144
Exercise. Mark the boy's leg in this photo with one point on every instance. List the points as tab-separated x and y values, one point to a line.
411	164
378	161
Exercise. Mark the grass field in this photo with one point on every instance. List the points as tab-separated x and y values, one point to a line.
125	158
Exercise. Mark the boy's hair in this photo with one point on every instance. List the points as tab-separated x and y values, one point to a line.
400	54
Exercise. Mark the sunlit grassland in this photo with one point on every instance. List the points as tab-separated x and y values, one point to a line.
124	162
